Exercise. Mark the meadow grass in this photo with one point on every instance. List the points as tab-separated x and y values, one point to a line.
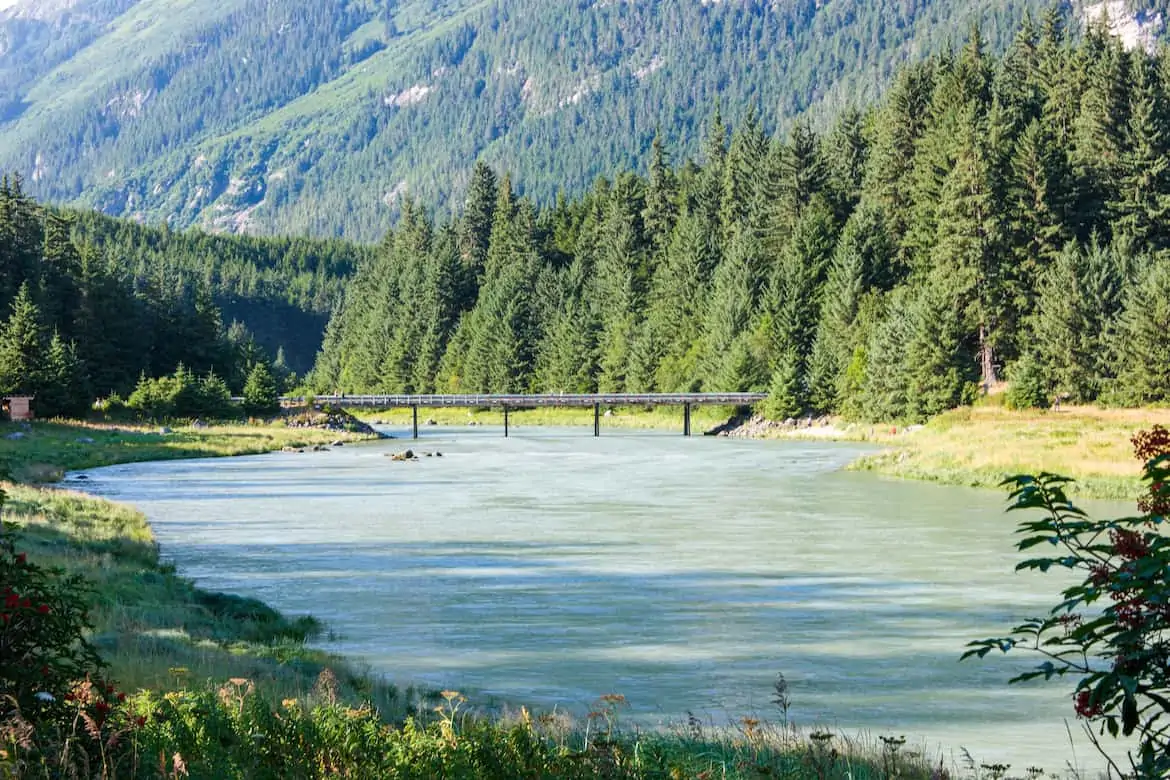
44	451
981	445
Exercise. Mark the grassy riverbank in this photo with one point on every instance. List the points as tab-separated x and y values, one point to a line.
43	451
154	627
981	445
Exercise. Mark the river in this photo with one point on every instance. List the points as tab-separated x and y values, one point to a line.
685	574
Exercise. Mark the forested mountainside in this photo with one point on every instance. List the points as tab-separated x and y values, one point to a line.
990	213
319	117
88	304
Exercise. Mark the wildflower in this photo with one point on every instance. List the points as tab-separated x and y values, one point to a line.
12	600
44	696
140	721
26	603
44	609
121	697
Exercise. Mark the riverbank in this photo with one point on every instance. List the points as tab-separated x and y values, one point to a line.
148	621
980	446
42	452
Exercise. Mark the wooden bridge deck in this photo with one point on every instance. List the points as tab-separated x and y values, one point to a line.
544	399
522	401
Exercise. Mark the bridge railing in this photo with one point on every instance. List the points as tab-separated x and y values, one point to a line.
522	400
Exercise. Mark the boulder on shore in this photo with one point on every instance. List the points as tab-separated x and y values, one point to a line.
328	418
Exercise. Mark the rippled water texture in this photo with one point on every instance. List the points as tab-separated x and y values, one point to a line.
553	567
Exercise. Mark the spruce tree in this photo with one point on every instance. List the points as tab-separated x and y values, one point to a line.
261	397
1142	205
1142	370
22	346
1076	303
62	389
677	304
728	316
885	390
661	209
475	227
966	255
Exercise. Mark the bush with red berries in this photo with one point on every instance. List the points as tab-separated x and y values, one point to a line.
50	675
1110	631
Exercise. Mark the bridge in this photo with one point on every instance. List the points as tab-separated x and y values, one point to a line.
520	401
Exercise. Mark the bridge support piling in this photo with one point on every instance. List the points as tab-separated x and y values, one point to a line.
505	422
686	419
596	419
414	410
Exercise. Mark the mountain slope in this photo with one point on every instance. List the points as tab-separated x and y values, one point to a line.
298	116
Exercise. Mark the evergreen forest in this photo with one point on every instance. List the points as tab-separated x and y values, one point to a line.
993	217
90	304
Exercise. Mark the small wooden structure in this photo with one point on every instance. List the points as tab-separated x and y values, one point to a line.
18	407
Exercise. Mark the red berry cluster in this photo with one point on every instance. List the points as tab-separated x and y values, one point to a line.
1082	703
14	604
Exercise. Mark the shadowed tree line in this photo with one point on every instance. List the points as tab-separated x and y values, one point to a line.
90	305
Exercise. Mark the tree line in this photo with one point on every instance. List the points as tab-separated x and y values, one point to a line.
92	307
991	217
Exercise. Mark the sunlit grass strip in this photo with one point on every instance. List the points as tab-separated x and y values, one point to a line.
46	450
980	446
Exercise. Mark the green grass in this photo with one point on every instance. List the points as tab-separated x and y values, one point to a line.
46	450
982	445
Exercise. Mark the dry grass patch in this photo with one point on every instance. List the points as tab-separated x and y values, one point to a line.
981	445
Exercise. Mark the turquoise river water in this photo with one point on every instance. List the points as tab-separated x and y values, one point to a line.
550	568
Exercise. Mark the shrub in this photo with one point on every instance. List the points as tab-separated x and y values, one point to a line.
1027	388
261	395
181	395
1118	653
55	707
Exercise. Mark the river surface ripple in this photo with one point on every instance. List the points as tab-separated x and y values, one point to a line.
552	567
